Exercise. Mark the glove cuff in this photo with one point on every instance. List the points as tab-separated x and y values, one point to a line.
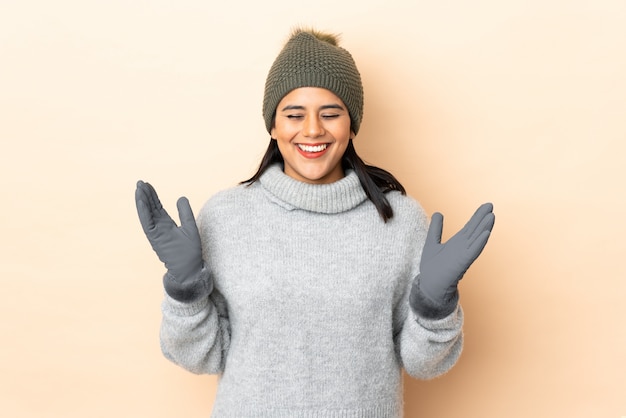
189	289
426	307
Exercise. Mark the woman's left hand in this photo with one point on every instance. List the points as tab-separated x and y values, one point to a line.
442	265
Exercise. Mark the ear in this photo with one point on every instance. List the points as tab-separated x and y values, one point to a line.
273	130
352	134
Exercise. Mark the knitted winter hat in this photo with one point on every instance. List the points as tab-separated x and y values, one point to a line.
314	59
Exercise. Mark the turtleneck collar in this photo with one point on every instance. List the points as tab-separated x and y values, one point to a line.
290	193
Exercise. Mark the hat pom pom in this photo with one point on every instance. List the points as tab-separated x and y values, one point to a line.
328	37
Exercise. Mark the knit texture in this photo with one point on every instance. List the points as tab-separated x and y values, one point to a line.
309	316
308	61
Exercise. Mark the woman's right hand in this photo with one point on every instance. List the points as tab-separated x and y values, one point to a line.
178	247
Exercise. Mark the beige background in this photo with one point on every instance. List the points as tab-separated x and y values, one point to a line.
519	102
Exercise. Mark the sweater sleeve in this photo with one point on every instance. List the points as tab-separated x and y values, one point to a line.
196	335
429	348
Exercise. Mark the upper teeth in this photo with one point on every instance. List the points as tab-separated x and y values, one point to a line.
312	148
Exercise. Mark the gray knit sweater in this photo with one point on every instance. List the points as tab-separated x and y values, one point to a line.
309	316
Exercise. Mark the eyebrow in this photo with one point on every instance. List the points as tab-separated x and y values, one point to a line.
298	107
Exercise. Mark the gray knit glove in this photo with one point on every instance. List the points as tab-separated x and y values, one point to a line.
434	292
178	247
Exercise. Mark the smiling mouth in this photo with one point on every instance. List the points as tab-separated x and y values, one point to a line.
312	148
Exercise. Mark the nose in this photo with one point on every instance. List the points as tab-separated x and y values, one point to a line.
313	127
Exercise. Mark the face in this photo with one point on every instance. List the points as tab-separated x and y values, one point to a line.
312	129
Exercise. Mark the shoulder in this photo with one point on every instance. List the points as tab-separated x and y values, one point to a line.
409	225
233	196
407	210
229	202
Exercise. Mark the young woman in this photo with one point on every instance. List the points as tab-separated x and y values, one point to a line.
309	287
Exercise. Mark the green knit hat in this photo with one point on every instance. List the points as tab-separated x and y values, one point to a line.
314	59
